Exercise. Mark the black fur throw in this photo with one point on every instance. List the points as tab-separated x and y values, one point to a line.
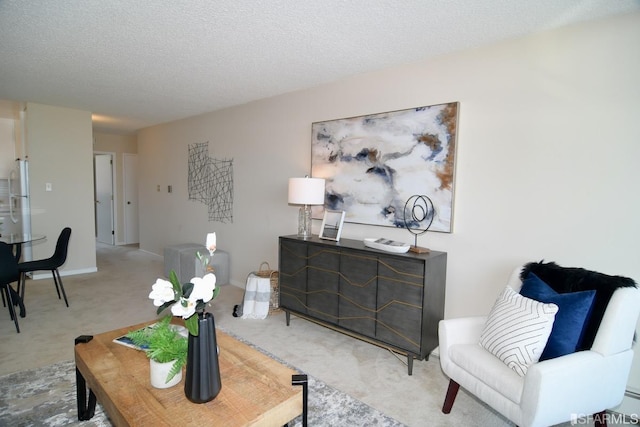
572	279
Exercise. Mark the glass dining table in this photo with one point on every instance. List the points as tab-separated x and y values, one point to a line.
16	240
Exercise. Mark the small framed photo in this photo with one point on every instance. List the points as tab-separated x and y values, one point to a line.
332	225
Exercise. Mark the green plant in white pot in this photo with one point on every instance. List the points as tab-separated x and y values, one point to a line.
167	350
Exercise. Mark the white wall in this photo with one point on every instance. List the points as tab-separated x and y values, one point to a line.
59	146
547	146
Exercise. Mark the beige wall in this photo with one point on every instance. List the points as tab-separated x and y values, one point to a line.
7	163
546	166
118	145
7	147
59	146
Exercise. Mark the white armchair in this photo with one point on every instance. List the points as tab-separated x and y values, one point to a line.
552	391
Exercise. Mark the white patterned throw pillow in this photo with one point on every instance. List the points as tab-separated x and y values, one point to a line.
518	329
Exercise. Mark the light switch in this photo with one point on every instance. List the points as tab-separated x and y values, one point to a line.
47	186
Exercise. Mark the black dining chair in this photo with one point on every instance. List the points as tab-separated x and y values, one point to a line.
53	263
9	273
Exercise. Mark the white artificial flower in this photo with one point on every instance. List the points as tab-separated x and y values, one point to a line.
183	311
203	288
161	292
211	243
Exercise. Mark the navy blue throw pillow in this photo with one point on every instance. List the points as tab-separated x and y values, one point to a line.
574	309
572	279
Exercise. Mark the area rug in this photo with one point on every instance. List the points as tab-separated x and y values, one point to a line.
47	397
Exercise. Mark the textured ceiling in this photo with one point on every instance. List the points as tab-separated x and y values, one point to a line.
143	62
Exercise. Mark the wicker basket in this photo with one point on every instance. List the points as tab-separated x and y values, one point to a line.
265	271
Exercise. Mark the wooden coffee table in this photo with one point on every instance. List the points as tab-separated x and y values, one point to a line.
256	390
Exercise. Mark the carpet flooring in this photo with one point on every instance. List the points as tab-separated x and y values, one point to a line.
47	397
117	296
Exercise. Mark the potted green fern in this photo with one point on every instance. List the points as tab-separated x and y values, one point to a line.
166	349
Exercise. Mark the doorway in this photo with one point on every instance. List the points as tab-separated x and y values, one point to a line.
130	175
103	171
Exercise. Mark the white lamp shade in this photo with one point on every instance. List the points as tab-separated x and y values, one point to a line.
306	191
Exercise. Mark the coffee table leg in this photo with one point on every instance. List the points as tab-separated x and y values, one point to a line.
301	379
86	410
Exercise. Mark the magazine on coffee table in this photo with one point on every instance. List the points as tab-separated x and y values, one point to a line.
127	342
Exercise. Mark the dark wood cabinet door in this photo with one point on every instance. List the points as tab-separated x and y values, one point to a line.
358	282
400	302
322	283
293	275
391	300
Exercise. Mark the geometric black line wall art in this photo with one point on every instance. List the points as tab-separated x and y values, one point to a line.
210	181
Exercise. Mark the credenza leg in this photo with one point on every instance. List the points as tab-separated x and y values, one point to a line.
287	316
86	410
301	379
410	364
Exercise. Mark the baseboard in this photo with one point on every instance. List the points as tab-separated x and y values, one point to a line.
47	275
237	284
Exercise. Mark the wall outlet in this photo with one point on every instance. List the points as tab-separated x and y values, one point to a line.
48	187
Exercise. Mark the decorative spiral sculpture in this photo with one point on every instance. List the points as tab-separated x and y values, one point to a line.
418	209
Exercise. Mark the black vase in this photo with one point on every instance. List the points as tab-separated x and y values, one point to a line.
202	381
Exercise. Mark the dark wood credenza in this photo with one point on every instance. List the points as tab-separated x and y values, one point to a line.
391	300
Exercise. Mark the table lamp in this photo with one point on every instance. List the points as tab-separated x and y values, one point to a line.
306	192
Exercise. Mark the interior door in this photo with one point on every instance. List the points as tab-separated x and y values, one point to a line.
103	169
130	171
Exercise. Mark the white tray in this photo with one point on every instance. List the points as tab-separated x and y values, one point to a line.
386	245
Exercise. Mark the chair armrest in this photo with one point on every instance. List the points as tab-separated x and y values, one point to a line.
585	381
616	330
463	330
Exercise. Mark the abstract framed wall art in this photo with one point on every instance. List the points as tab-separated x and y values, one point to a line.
373	164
